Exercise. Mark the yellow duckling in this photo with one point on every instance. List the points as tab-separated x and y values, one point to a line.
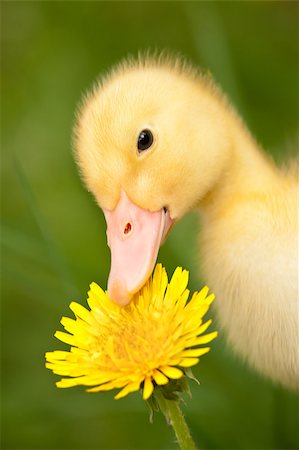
156	139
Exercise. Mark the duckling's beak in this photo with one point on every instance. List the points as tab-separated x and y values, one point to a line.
134	236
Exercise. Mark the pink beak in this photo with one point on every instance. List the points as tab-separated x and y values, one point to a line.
134	236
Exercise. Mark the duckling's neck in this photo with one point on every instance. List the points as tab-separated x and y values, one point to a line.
248	171
249	258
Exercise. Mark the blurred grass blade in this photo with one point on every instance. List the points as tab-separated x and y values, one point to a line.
57	259
22	244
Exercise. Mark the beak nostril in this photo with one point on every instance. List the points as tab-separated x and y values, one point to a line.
127	228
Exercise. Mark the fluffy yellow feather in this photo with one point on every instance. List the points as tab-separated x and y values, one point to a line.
203	157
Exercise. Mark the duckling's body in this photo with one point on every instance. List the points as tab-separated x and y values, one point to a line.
202	157
249	256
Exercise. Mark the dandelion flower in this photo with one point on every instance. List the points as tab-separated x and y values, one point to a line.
146	343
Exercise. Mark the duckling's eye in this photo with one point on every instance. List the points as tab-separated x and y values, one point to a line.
145	140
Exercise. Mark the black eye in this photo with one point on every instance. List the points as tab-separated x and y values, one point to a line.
145	140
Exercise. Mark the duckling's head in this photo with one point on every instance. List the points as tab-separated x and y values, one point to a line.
151	141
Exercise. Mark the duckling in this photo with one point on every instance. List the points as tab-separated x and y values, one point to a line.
155	139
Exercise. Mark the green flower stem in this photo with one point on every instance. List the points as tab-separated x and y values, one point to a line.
173	415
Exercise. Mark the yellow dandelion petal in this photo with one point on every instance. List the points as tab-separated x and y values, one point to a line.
177	285
70	325
195	318
65	337
82	312
204	326
126	390
172	372
68	382
210	299
159	377
96	296
56	355
199	297
108	386
95	379
195	352
159	285
160	280
205	338
76	352
150	340
147	388
181	303
202	294
189	362
67	369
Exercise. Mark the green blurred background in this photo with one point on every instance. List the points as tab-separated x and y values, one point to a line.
53	234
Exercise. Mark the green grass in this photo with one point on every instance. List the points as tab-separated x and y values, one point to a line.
53	235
